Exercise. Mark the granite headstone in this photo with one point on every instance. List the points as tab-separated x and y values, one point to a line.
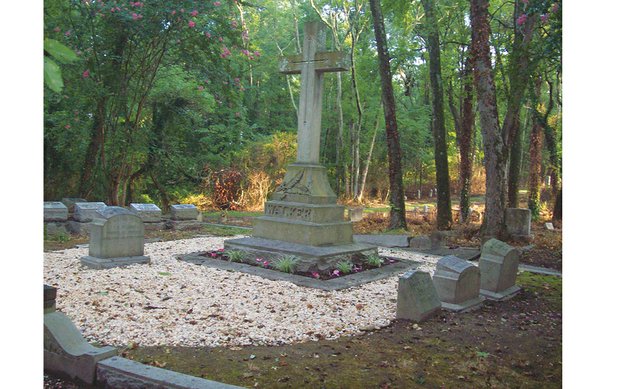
417	297
458	284
499	263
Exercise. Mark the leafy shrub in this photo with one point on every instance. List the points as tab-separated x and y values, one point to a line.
226	188
235	255
344	267
200	200
286	264
373	260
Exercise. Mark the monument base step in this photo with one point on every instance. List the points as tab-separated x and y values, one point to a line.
501	296
310	258
304	233
465	306
107	263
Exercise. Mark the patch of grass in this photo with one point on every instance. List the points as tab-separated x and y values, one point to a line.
345	267
286	264
373	260
235	255
232	213
225	231
547	287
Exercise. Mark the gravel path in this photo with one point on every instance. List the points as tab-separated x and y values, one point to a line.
174	303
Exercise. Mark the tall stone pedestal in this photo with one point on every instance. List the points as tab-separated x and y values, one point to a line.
302	219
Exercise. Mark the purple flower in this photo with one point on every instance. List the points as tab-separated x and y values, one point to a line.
336	273
315	274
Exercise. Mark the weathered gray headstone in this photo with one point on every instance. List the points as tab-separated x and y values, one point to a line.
356	214
458	284
499	263
183	212
116	239
55	211
70	202
85	212
383	240
149	213
417	297
420	242
518	223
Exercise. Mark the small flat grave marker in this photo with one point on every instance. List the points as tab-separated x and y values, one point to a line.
184	212
499	263
149	213
458	284
70	202
55	211
85	212
116	239
417	297
518	223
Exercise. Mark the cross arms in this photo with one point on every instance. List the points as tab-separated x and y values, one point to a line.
332	61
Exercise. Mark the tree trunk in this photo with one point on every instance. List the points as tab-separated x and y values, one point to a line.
536	143
360	195
397	198
494	146
557	208
466	141
444	211
93	151
514	170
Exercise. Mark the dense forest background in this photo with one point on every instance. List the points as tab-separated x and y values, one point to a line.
182	101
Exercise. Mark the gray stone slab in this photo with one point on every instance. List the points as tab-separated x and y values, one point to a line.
65	350
518	223
49	299
383	240
55	228
108	263
183	212
310	258
420	242
457	283
356	214
183	225
154	226
55	211
78	228
69	202
465	253
118	372
539	270
339	283
498	265
149	213
86	212
417	297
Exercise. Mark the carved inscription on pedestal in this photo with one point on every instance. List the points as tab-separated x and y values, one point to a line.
292	212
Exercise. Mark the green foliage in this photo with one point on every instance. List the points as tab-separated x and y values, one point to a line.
235	255
345	267
373	260
286	264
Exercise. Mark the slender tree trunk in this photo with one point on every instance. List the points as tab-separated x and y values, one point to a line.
397	197
514	170
536	143
466	141
557	208
494	144
444	211
360	195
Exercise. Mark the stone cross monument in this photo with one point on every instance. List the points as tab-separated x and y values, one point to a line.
302	217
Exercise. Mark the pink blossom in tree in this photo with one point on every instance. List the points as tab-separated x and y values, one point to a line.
521	20
191	24
207	34
86	73
544	18
217	4
194	13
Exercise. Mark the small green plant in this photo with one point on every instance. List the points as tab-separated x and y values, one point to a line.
286	264
373	260
345	267
235	255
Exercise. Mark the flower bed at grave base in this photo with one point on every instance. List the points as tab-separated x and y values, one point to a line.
358	263
174	303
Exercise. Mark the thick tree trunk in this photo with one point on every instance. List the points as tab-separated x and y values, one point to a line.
94	151
444	211
494	144
397	197
466	141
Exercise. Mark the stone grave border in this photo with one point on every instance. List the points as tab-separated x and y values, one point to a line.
67	353
339	283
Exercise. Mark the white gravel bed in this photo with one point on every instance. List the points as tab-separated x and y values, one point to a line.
175	303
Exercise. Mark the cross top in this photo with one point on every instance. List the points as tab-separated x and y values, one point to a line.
311	64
